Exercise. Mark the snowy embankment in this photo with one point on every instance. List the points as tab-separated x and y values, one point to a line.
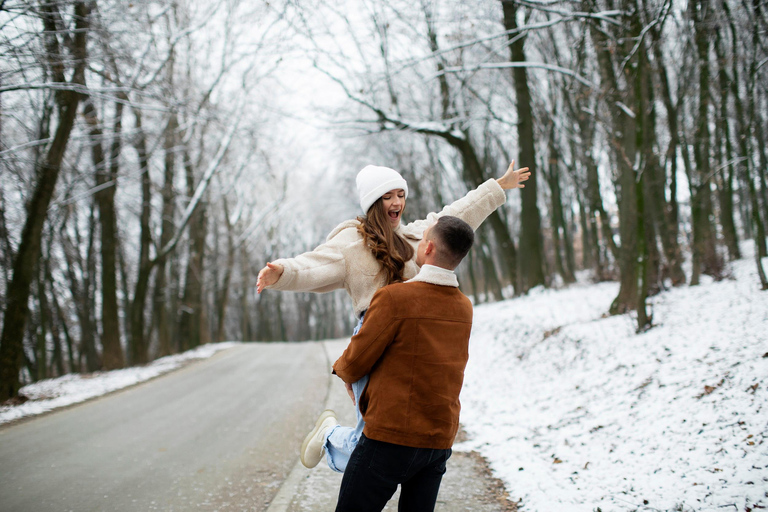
576	412
50	394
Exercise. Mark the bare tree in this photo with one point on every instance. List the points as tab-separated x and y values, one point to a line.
65	52
531	273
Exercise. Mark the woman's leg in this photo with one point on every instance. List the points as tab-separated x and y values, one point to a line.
340	441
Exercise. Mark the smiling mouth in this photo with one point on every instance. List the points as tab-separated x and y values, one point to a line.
394	215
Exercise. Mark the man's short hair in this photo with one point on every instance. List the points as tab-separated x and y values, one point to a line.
455	238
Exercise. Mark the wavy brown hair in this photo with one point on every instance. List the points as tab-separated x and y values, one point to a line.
389	248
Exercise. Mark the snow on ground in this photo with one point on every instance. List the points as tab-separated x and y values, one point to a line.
576	412
50	394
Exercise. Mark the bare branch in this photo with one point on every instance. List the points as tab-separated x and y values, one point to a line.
506	65
203	185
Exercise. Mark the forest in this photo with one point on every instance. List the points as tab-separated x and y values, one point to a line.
155	154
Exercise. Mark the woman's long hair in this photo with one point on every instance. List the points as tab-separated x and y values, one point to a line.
389	248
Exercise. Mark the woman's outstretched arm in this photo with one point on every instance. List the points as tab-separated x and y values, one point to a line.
478	204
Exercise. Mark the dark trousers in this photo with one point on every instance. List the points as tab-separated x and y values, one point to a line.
375	469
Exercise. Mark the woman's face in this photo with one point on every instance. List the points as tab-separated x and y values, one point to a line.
394	203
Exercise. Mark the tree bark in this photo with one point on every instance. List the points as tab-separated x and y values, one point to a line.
599	221
531	273
648	260
112	352
160	311
44	320
622	139
82	292
191	310
223	298
560	236
745	154
139	345
705	257
246	331
58	320
668	216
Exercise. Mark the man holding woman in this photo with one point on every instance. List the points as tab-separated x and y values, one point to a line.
364	255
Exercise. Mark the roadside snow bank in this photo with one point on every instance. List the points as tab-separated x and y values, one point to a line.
575	411
69	389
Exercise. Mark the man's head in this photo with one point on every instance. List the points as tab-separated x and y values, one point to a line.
445	243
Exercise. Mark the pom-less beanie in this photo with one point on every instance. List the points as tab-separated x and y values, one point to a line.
374	181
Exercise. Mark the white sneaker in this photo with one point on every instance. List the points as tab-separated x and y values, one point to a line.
314	444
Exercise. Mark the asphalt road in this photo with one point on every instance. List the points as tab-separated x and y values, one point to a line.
221	434
218	435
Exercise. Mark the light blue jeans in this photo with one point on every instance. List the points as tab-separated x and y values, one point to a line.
340	441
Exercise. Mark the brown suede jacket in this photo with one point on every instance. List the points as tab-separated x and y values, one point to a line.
414	344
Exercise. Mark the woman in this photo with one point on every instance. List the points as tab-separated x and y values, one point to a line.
365	254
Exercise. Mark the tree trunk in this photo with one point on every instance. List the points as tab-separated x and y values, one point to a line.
6	250
112	352
139	345
44	320
474	177
623	142
246	312
724	153
667	217
191	309
46	278
560	234
531	273
648	260
82	292
651	184
755	82
745	154
17	295
589	248
59	319
160	311
600	222
705	257
223	298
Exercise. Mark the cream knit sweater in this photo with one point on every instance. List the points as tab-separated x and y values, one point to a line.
343	261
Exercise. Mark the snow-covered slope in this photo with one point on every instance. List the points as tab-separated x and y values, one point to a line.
576	412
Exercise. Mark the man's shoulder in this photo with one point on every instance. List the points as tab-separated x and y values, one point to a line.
402	291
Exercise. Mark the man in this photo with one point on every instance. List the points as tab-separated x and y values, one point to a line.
414	344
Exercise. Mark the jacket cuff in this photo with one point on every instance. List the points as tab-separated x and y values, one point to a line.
494	190
287	277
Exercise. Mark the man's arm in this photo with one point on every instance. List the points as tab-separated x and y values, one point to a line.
377	332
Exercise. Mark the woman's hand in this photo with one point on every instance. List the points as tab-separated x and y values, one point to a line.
268	276
513	178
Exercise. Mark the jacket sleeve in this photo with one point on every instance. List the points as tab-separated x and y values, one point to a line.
473	208
367	346
321	270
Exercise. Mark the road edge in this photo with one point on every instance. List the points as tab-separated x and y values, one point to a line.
287	491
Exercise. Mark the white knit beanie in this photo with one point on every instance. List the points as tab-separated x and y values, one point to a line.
374	181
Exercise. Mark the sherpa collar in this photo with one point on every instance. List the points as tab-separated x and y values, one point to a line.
436	275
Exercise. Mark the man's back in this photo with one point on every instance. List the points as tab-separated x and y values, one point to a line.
418	337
